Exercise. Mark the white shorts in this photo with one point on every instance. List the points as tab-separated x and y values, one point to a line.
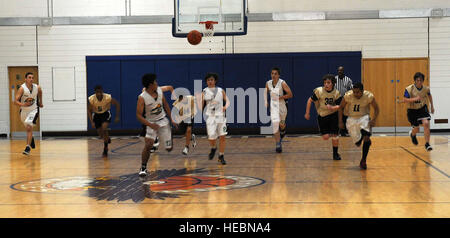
216	127
278	115
29	117
164	132
355	125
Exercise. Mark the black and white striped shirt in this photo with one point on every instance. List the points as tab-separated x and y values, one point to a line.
343	85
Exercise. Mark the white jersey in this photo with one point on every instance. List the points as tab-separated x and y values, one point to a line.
154	110
275	93
214	102
29	96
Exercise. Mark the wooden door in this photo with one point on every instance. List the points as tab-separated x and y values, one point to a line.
405	70
378	77
16	79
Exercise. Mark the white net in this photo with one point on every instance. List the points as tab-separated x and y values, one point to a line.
208	30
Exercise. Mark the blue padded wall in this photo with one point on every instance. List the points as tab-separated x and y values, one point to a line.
121	77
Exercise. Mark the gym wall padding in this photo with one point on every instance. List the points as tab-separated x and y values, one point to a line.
121	77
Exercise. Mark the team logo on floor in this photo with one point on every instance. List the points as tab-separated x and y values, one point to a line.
159	184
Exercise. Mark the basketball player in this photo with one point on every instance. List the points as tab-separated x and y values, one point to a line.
99	105
29	99
156	111
213	99
359	123
184	110
144	127
279	94
417	95
327	100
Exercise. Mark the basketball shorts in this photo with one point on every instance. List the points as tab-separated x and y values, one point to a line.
100	118
358	127
278	115
415	116
216	127
164	132
328	124
182	127
29	118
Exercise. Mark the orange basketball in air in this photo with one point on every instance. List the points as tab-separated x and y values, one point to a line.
194	37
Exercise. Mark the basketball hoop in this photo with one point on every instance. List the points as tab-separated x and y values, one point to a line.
209	28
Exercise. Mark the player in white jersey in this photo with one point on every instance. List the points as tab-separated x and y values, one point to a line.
29	99
156	111
165	88
213	99
279	94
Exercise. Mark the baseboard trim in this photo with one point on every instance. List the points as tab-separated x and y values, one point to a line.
198	131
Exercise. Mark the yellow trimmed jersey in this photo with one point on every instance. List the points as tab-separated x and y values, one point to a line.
322	98
412	91
100	106
358	107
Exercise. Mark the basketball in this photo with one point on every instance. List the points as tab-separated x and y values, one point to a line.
194	37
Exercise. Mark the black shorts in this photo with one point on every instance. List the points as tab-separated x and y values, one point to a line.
415	116
182	127
329	124
99	119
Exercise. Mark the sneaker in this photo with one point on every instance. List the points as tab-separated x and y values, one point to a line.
27	150
363	165
156	143
428	147
278	148
222	160
185	150
143	172
32	143
155	146
358	143
337	157
212	153
194	140
413	138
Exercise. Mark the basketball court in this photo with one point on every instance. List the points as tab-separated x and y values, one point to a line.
68	177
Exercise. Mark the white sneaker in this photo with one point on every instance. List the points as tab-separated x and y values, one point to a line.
156	143
143	173
194	140
185	150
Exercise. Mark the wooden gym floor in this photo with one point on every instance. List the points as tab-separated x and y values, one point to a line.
68	177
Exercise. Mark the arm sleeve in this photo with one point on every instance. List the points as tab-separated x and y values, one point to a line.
314	96
406	94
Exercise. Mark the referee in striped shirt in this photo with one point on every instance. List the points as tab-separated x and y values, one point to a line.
343	84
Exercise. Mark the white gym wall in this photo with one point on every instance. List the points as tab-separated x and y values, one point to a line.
68	45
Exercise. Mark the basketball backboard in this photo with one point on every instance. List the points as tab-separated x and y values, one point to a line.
230	15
